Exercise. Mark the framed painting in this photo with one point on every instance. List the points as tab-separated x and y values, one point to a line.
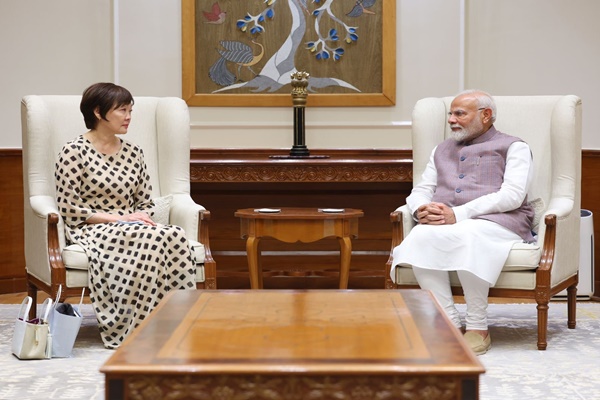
242	53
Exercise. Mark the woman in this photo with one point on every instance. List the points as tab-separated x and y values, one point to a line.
104	196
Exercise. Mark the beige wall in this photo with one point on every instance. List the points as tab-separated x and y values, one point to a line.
506	47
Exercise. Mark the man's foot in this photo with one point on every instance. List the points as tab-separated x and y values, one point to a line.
479	341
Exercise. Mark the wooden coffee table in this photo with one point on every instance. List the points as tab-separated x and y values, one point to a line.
286	344
293	225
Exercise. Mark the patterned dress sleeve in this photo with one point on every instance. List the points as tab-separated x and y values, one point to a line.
69	169
143	193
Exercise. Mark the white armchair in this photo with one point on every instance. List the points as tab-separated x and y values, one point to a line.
161	127
551	125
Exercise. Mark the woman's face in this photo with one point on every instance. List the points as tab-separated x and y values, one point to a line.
117	120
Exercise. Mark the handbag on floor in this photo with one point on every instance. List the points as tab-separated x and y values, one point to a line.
65	321
31	339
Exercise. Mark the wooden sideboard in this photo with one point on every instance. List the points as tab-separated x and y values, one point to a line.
375	181
223	180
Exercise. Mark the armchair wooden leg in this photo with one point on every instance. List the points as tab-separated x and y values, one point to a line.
388	283
542	309
210	275
32	292
571	306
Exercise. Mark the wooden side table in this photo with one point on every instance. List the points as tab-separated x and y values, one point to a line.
293	225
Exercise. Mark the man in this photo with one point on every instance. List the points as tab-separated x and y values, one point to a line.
471	207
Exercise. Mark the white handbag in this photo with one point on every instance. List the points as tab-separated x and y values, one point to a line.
31	339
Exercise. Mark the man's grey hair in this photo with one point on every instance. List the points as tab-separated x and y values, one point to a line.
484	99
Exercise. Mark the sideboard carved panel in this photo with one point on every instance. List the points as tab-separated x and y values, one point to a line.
280	172
375	181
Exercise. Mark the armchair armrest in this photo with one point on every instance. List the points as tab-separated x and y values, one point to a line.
559	259
194	219
402	223
184	212
43	205
45	231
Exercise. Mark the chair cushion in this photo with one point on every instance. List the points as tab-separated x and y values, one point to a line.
198	251
523	280
522	257
160	211
75	258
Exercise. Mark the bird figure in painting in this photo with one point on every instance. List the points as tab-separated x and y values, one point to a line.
234	52
215	16
360	8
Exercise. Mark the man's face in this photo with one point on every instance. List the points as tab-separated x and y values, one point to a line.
465	119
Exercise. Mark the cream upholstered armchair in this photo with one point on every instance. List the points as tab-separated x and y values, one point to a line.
161	127
551	125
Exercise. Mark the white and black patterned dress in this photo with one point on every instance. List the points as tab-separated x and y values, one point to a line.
132	267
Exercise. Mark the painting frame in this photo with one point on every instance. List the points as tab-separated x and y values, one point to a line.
386	97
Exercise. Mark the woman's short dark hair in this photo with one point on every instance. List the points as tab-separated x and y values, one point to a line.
104	97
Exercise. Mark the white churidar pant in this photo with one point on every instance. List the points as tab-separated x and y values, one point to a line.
477	249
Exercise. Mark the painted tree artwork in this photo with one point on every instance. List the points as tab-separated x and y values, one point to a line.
246	47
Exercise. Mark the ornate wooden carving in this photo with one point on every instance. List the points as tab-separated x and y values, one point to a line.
275	387
300	173
210	165
230	166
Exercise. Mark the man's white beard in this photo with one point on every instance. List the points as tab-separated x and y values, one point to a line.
467	133
461	135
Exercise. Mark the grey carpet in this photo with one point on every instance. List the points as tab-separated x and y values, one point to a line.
569	369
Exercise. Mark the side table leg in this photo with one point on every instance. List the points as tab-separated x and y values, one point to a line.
345	253
254	267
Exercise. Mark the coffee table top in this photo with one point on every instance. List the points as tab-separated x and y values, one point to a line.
299	213
289	331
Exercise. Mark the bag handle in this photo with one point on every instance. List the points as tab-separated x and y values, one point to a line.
46	307
25	306
58	293
81	300
78	308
